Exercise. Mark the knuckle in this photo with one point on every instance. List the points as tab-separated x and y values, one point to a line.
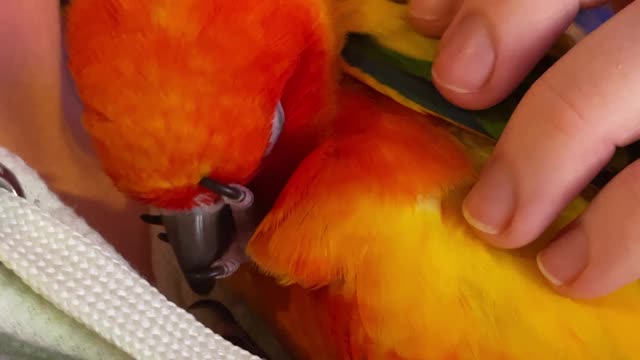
566	115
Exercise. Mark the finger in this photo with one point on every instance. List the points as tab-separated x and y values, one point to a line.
600	252
618	5
492	44
565	129
431	17
587	4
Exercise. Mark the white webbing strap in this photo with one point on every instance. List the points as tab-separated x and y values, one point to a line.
84	277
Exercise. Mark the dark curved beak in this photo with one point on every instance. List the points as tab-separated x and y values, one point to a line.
198	238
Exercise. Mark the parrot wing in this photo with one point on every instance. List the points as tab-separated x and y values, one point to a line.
386	53
333	228
370	226
332	184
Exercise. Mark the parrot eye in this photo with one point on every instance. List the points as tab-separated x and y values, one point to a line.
277	124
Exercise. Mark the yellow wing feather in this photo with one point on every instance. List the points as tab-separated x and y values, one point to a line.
372	217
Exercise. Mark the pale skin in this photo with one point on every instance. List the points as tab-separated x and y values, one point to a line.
39	121
563	132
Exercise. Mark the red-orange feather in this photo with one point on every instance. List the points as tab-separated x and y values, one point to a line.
384	145
178	90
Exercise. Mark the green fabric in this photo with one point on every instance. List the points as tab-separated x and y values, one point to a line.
16	349
32	328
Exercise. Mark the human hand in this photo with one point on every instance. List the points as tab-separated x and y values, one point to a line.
562	133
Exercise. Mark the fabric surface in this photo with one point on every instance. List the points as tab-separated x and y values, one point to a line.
68	294
31	328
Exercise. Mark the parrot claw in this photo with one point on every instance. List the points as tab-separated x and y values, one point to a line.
230	262
222	269
199	236
227	265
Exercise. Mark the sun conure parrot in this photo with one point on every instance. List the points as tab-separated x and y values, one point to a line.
389	41
108	39
186	99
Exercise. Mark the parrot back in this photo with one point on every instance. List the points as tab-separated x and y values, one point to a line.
375	260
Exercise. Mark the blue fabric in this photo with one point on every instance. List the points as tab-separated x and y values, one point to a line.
590	19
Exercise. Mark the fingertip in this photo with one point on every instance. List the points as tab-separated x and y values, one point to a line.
562	265
564	259
464	66
431	17
486	53
467	55
459	96
433	28
598	254
491	204
477	224
546	273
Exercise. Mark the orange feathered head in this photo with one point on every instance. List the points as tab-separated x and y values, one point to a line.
176	91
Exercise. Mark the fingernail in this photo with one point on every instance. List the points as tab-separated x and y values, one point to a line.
489	206
467	56
563	260
428	9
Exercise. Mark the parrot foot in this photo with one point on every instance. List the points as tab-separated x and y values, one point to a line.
230	262
227	265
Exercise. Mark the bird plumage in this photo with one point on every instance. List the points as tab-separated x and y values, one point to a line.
369	239
174	91
365	250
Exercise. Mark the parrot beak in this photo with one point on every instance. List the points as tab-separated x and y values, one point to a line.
202	236
198	238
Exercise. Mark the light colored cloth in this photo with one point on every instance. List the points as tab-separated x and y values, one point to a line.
171	282
66	293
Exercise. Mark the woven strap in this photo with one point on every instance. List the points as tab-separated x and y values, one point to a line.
79	273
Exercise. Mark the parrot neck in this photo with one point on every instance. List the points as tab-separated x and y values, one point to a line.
308	96
308	100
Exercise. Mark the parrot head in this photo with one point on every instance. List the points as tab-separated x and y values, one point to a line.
175	92
184	99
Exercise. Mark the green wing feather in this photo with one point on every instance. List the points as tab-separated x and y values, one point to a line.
408	80
411	78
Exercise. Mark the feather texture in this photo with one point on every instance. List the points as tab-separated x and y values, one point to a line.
368	233
372	257
175	91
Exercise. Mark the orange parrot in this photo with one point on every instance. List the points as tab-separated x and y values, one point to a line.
183	115
210	110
